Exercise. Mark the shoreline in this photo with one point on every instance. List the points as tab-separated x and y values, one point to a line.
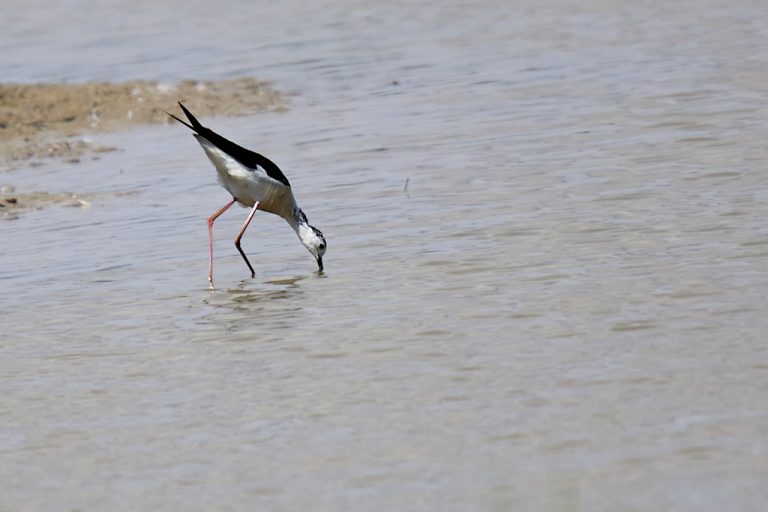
43	123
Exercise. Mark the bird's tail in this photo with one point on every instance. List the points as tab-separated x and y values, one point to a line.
195	123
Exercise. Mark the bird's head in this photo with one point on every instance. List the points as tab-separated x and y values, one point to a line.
310	236
315	243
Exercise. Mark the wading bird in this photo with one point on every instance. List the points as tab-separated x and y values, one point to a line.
254	182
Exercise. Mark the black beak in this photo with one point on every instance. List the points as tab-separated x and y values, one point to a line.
320	263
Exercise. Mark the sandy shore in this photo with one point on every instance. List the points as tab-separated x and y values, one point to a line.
50	122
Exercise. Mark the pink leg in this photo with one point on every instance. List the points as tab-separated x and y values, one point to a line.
210	239
240	235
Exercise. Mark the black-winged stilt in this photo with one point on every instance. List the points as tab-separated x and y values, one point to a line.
256	182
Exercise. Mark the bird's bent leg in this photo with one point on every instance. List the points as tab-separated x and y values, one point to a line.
210	238
240	235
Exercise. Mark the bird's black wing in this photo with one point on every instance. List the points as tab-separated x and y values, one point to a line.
246	157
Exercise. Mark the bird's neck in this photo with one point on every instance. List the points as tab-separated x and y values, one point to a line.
299	223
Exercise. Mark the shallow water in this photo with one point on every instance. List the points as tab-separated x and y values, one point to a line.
563	310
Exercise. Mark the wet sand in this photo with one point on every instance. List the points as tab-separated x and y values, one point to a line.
40	122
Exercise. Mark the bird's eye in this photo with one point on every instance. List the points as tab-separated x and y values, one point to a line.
321	246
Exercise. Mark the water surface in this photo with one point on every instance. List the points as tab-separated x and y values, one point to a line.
564	310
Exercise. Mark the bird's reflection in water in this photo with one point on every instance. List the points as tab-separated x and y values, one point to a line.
267	306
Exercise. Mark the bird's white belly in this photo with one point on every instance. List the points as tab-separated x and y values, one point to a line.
272	196
250	186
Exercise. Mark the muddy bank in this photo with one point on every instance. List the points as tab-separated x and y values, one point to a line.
11	202
40	122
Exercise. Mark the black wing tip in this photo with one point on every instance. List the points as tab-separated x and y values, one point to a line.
195	124
192	119
179	120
